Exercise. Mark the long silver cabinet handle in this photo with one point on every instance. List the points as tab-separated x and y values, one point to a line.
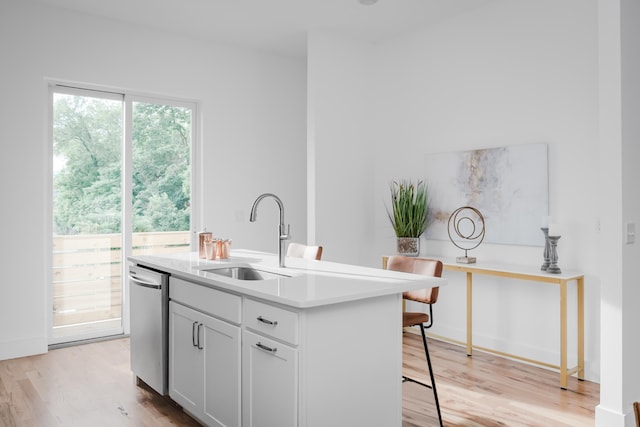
267	321
145	283
193	334
265	348
199	326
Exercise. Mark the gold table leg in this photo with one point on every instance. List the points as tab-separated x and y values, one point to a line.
563	334
469	313
580	284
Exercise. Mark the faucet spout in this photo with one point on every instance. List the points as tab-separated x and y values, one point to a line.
282	234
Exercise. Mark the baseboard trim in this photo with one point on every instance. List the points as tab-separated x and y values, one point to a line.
87	341
23	348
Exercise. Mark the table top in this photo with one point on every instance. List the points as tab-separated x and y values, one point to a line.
506	269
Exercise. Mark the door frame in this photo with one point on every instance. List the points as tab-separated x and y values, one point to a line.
128	98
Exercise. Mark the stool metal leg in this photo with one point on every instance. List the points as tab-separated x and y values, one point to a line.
433	380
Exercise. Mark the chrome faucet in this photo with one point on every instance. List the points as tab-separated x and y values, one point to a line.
282	236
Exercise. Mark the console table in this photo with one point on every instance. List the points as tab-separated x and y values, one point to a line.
532	274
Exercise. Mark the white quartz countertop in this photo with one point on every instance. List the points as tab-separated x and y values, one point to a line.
305	283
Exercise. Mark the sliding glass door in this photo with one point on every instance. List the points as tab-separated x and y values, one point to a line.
121	185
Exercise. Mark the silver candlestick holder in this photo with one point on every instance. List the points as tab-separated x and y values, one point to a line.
547	249
553	255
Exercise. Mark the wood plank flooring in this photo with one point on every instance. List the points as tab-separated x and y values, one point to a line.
91	385
489	391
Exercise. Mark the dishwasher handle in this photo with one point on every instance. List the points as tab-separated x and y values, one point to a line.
144	283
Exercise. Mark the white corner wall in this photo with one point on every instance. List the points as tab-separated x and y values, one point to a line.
513	72
340	136
252	112
619	153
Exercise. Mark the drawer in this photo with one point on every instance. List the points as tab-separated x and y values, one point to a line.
273	321
222	305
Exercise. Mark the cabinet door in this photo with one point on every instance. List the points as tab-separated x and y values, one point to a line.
221	373
269	382
186	359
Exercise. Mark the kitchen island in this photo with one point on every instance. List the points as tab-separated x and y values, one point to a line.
313	344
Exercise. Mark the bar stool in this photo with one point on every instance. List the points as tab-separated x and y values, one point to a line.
427	267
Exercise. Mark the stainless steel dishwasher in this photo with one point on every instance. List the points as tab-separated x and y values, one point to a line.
149	308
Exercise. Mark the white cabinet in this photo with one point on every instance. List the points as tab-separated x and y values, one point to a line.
242	361
268	319
221	373
204	364
270	382
269	365
186	381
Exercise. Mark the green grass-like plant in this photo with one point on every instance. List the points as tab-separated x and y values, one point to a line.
409	208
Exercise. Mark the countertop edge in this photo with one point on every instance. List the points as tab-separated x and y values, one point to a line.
350	283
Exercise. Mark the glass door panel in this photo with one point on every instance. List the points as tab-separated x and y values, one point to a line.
161	178
87	163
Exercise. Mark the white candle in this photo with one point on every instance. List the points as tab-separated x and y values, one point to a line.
545	221
554	230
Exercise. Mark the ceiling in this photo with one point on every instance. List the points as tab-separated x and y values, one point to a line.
279	26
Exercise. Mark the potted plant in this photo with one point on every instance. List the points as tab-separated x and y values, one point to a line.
409	214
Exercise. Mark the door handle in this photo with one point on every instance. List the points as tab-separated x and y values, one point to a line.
199	326
193	334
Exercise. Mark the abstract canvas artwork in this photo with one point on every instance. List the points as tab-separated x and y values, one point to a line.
508	185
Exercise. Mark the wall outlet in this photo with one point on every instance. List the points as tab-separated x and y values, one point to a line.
630	233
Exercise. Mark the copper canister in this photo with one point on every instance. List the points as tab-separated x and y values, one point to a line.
226	249
203	236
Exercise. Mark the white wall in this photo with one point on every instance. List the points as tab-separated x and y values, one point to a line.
630	89
515	72
252	118
619	154
340	133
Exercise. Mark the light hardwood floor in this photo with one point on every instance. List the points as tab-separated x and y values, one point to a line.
487	390
91	385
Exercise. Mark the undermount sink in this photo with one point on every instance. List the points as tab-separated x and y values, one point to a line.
245	273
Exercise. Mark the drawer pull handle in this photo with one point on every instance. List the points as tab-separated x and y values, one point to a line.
265	348
267	321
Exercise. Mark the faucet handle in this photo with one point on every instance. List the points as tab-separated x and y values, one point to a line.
285	236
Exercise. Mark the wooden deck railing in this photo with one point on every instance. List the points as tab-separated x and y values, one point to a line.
87	272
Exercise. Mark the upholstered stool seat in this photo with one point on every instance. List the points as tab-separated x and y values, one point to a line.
412	319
